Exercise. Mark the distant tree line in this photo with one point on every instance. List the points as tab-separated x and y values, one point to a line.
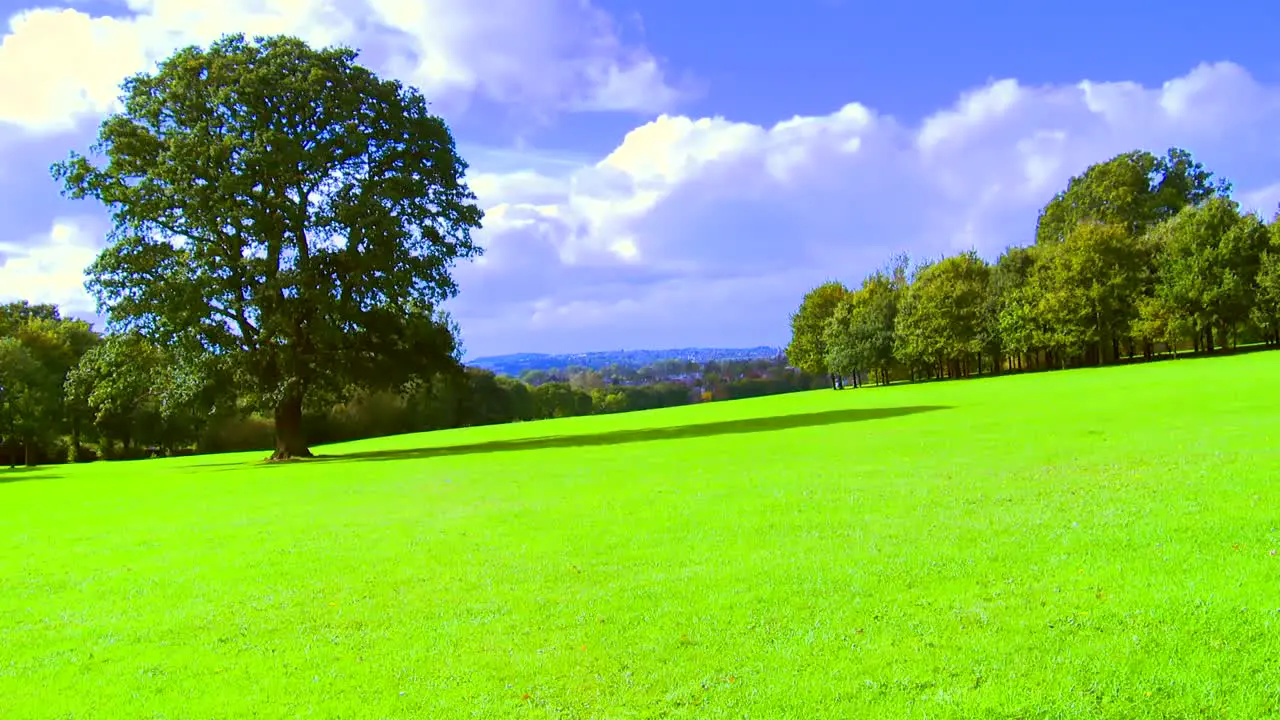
709	373
1138	257
517	364
68	393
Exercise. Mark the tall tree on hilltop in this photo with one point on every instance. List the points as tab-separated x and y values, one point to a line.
807	350
286	210
1134	190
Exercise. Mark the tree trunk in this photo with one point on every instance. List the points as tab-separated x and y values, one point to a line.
26	452
289	441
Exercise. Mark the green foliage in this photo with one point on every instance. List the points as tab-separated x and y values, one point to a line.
559	399
1208	259
941	318
807	350
519	402
16	314
20	398
120	382
1160	321
285	210
1134	191
1137	252
1266	310
40	349
1086	286
859	335
1009	324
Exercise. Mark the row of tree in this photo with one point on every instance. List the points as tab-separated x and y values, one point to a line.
702	374
68	393
1139	256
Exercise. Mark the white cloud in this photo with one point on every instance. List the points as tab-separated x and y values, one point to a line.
60	65
644	242
50	268
708	230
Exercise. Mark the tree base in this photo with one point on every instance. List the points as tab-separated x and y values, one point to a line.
283	455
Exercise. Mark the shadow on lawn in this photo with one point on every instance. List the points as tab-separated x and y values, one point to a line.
620	437
23	474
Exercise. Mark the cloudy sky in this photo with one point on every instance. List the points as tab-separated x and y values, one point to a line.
660	173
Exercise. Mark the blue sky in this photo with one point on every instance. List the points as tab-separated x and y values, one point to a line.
669	174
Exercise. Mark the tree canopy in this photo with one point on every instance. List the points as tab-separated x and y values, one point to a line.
285	211
1133	190
1138	254
808	349
859	335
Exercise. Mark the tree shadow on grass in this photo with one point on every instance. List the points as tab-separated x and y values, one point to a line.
23	474
621	437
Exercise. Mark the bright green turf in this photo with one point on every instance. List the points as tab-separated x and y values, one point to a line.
1083	544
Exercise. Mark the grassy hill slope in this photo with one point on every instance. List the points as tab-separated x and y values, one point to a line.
1085	544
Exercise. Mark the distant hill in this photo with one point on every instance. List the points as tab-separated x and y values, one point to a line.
515	364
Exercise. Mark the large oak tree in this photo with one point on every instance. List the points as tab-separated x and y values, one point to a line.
285	211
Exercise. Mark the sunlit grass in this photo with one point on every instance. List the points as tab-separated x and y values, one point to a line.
1084	544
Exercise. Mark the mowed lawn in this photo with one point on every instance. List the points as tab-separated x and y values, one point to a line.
1083	544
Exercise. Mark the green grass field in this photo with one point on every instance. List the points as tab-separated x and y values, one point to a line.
1083	544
